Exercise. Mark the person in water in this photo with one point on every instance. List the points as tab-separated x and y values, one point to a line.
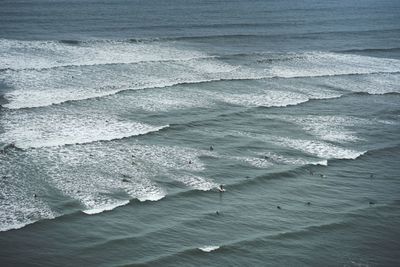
221	188
211	148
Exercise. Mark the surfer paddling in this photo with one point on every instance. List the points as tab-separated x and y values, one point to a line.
221	188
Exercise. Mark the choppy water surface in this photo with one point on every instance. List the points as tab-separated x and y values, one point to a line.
119	120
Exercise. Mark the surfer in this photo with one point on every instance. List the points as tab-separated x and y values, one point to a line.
190	162
221	188
278	207
211	148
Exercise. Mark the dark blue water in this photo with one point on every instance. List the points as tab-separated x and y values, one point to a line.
119	120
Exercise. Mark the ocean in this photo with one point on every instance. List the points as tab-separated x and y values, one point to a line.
120	120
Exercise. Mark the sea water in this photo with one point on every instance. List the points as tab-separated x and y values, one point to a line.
120	119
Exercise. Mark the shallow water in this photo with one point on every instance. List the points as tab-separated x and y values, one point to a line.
119	121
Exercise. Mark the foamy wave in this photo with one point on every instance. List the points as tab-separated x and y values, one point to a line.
43	88
376	84
321	149
328	128
146	190
35	88
150	197
328	64
28	130
13	226
22	55
103	177
171	157
21	194
19	208
97	177
271	98
280	159
209	248
261	163
106	207
97	201
10	219
321	162
196	182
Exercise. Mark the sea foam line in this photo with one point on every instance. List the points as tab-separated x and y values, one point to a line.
106	207
22	139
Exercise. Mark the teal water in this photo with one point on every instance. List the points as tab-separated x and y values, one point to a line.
119	120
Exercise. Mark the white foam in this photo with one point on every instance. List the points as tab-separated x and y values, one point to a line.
108	207
267	98
319	148
163	100
256	162
33	88
19	55
18	205
146	190
104	177
170	157
381	83
328	128
30	129
98	176
101	178
209	248
292	160
321	162
152	197
16	216
196	182
314	64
